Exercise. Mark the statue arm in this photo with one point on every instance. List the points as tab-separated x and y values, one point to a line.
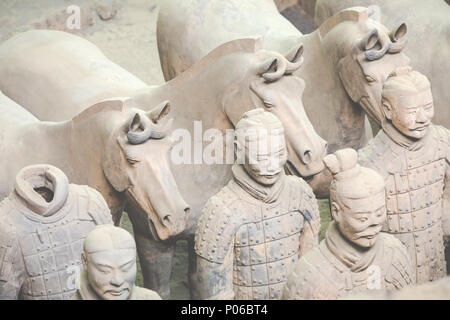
309	236
215	280
11	271
446	200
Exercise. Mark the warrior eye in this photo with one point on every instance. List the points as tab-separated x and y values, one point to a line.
369	79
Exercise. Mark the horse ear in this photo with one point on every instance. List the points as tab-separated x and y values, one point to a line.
114	164
369	40
159	112
295	54
398	32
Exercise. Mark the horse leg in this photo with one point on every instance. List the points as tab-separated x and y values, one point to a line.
192	269
155	258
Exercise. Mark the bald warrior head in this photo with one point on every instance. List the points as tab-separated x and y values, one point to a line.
109	258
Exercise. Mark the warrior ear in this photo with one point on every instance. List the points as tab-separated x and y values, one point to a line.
387	108
114	164
335	211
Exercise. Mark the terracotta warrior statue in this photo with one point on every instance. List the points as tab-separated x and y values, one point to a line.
413	157
43	223
254	229
354	256
109	259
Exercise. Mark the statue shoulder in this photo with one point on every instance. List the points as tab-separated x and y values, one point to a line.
92	205
398	266
307	201
306	281
374	154
221	217
443	135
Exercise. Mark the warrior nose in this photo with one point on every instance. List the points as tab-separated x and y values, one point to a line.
116	280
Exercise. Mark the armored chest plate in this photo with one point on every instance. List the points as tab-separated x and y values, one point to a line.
52	259
265	251
414	212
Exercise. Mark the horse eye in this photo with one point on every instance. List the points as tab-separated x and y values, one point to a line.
369	79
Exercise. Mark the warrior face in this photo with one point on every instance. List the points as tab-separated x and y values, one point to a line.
265	156
110	262
261	146
360	220
408	103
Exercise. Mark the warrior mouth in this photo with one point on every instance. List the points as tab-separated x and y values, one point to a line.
117	293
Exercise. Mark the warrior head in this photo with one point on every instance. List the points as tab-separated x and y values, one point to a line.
109	258
407	102
357	198
260	146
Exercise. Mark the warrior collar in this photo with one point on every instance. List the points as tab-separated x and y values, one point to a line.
39	176
401	139
266	194
355	258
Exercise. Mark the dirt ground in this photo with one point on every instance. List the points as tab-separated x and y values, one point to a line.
125	31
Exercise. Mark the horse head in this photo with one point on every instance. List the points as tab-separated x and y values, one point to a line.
136	163
269	83
370	59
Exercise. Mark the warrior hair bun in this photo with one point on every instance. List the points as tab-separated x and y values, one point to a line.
341	161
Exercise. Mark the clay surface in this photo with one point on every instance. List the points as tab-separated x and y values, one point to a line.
412	155
234	78
436	290
254	229
43	223
354	256
111	147
426	20
109	259
335	60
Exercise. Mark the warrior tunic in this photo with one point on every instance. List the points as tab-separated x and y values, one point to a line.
336	268
253	238
417	177
40	256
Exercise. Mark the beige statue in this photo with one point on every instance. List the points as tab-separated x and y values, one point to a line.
348	57
354	256
206	102
428	38
123	152
252	231
436	290
413	155
43	223
109	260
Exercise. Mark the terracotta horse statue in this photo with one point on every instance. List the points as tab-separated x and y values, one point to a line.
207	100
428	38
346	59
110	147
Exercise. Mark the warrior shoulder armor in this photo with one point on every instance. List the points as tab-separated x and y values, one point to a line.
219	221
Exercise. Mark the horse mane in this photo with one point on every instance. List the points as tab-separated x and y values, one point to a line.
245	45
356	14
112	104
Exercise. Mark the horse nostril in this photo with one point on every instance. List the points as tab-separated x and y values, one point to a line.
326	147
306	157
187	210
167	219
